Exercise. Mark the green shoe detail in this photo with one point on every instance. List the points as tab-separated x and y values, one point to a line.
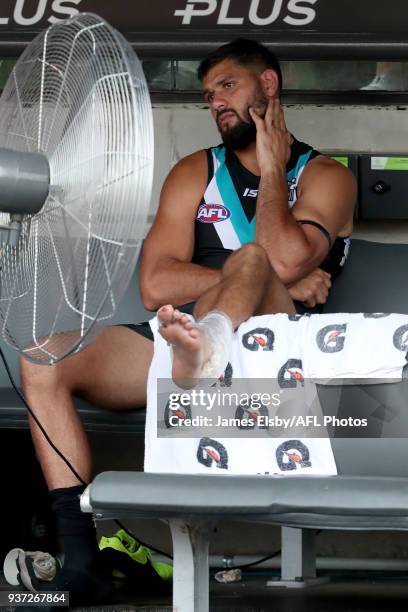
125	543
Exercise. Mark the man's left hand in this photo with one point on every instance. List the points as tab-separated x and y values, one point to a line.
272	137
311	290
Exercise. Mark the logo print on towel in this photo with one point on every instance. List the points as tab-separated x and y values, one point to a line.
400	338
210	451
291	455
212	213
291	374
259	339
375	315
297	317
331	338
225	380
178	412
256	416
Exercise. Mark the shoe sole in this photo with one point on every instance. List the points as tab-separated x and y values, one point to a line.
10	567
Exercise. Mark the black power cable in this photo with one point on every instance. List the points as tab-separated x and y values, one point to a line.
272	556
253	563
64	459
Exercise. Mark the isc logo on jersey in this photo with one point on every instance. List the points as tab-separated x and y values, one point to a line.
212	213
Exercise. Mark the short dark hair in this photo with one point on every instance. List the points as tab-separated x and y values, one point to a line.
245	52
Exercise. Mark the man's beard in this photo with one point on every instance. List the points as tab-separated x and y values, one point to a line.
243	132
240	135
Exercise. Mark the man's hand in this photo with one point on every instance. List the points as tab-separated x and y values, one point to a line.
272	137
311	290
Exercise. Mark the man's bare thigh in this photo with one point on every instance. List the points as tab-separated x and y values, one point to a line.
112	371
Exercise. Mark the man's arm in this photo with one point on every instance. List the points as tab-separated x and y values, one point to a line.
167	274
326	195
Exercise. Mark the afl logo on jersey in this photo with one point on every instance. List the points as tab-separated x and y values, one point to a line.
212	213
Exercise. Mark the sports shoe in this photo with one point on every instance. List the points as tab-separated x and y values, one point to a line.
133	565
29	569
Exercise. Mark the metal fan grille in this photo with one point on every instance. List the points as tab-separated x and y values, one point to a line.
78	95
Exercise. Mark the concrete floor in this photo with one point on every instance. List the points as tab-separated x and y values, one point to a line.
361	594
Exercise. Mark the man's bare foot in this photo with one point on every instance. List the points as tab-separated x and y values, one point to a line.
188	344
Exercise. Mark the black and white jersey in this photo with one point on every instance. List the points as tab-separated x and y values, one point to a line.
226	215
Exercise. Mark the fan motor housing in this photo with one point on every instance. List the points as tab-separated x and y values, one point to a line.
24	181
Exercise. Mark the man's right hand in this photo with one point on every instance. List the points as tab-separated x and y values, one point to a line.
272	138
311	290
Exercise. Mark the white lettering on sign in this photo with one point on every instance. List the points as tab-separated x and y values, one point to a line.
27	21
61	9
223	18
258	21
292	12
308	13
190	10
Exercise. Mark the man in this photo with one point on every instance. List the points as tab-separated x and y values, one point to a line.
207	211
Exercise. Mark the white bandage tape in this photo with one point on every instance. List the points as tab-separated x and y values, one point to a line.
217	328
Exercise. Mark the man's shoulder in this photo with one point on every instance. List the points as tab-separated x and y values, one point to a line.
203	155
190	172
193	162
322	164
317	160
326	174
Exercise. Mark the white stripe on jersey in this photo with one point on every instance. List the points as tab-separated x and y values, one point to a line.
224	229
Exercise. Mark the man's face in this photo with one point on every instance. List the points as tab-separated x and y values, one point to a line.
230	89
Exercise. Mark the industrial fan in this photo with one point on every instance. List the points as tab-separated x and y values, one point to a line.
76	167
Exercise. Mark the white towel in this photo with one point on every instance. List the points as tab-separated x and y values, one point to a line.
355	346
286	348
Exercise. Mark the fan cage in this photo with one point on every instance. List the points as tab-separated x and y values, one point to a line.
78	95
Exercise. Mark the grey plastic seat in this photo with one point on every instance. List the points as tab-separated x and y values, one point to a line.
373	280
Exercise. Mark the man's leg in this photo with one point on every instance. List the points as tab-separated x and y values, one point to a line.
112	373
249	286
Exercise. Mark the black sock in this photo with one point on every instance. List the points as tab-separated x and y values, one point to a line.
81	574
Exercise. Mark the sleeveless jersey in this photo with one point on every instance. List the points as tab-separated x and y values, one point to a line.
226	215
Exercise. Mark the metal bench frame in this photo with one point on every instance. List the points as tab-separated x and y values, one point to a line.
194	504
